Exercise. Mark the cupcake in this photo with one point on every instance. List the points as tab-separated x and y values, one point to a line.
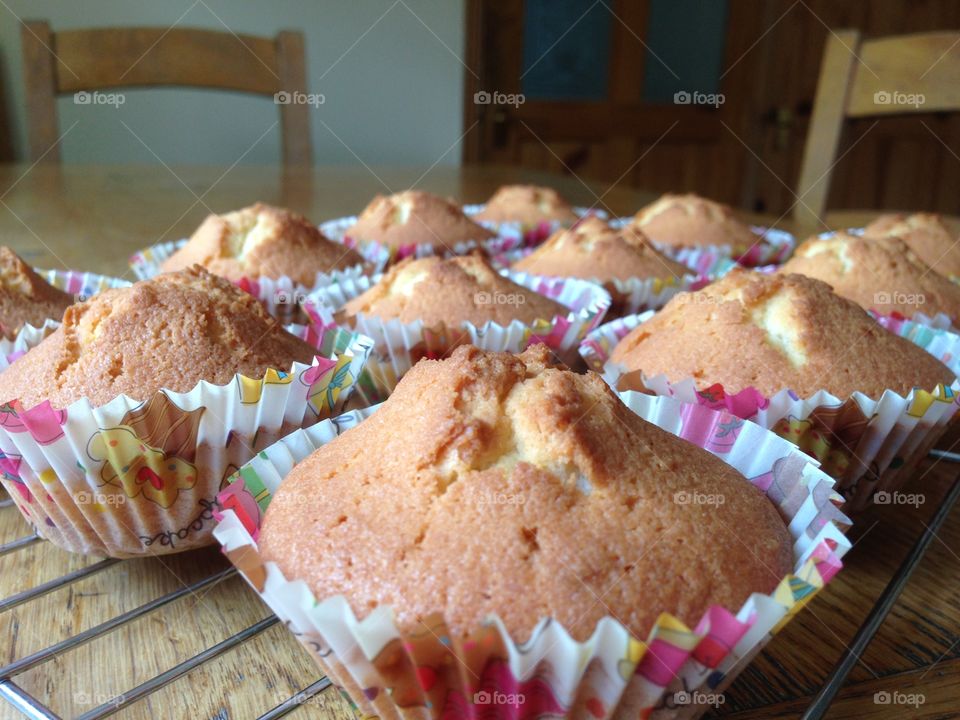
877	273
25	297
424	307
413	218
450	292
924	233
692	221
466	554
786	352
594	250
262	241
120	425
528	205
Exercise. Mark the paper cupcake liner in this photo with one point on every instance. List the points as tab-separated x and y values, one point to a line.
399	346
26	337
81	284
524	233
867	443
392	675
132	478
774	248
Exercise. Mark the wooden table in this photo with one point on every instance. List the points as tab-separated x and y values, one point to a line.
92	218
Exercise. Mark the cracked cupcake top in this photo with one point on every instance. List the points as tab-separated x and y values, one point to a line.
415	217
168	332
924	233
262	241
25	297
527	204
773	332
594	250
877	273
452	291
497	483
692	221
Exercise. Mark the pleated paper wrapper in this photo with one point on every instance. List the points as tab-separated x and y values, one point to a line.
281	296
83	285
509	236
869	444
773	247
133	478
398	346
676	671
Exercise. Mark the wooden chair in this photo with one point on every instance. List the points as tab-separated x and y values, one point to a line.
71	61
872	78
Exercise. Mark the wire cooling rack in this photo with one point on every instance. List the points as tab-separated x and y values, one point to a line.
30	707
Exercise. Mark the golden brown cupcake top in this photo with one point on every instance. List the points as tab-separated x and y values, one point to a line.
262	241
415	217
527	204
452	291
524	490
773	332
693	221
926	234
594	250
169	332
25	297
878	273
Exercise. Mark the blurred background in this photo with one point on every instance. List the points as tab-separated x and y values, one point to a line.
712	96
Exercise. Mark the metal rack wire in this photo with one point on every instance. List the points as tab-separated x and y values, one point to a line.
30	707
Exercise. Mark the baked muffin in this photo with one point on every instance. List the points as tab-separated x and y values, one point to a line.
524	490
528	205
25	297
926	234
878	273
415	217
772	332
692	221
262	241
451	291
594	250
168	332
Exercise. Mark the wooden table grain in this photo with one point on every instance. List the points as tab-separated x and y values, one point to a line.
93	218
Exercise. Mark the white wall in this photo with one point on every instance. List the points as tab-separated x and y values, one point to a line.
394	98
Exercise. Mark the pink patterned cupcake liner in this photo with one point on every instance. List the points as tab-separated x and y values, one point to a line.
391	674
868	443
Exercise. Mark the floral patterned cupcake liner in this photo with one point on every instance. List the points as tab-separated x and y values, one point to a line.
868	444
133	478
398	346
773	247
391	674
281	296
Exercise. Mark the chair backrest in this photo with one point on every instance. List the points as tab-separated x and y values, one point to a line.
872	78
72	61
